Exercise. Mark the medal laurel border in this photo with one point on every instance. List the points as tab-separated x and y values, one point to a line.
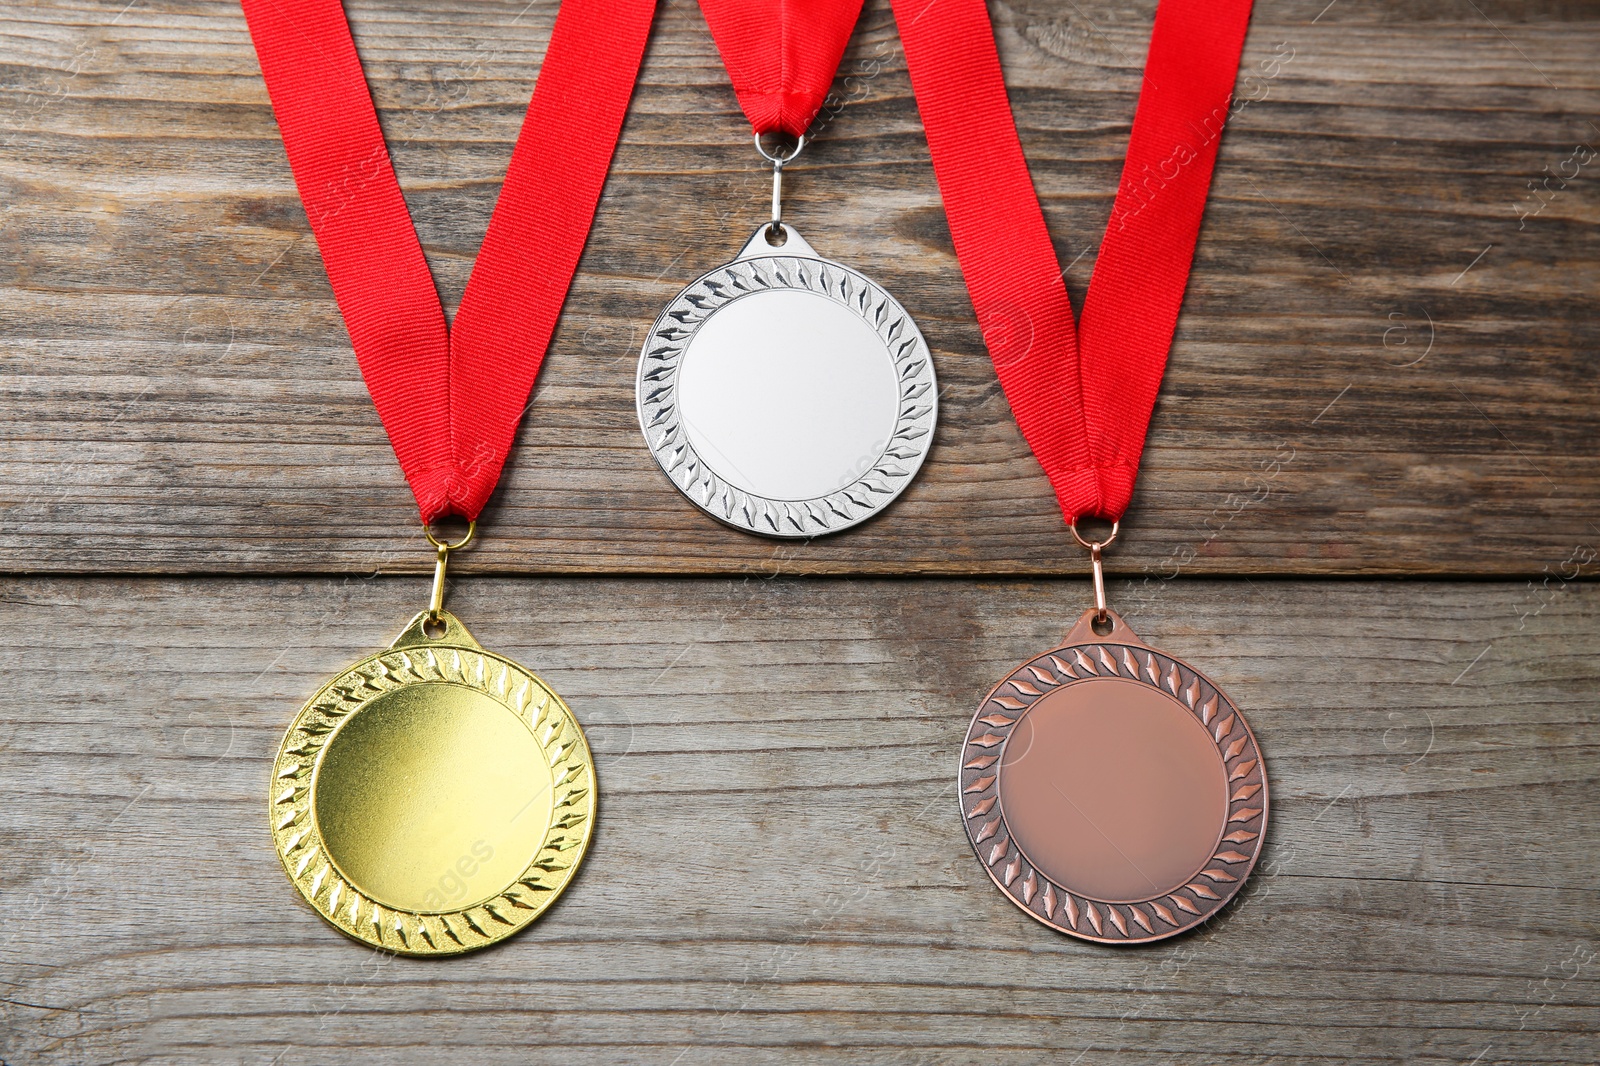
303	851
1163	914
890	472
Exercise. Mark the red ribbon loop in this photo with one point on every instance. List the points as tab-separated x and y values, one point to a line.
781	55
450	399
1082	395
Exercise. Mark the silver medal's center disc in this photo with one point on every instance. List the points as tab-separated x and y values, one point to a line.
786	394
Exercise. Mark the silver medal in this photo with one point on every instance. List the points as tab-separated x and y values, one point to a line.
783	393
786	394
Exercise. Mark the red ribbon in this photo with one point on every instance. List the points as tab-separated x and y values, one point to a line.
450	398
781	55
1082	396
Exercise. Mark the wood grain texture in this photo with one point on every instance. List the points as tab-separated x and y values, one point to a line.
1382	367
780	874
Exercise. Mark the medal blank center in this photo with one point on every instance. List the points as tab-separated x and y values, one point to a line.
1113	790
788	395
432	798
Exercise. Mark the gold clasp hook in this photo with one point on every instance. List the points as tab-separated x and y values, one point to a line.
442	550
1095	548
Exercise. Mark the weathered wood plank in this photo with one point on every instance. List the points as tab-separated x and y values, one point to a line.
178	395
780	876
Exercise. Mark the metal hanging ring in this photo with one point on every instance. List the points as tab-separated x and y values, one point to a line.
780	160
427	531
1094	546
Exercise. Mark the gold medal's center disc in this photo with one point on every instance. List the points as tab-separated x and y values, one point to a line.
432	798
1113	790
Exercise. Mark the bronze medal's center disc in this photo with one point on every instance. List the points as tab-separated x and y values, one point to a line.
1113	790
432	798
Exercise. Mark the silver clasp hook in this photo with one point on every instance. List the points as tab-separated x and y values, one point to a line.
778	163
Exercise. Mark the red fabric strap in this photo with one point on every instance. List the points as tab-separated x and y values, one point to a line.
1082	397
781	55
450	399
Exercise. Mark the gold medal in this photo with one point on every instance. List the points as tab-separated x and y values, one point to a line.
433	798
436	797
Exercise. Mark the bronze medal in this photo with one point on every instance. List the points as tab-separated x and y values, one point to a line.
1113	792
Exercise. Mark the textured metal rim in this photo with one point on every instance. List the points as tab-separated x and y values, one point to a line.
1166	914
299	839
887	476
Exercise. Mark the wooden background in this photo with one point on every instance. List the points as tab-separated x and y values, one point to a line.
1385	370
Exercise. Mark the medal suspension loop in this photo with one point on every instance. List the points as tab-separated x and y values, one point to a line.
1095	548
779	159
441	560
